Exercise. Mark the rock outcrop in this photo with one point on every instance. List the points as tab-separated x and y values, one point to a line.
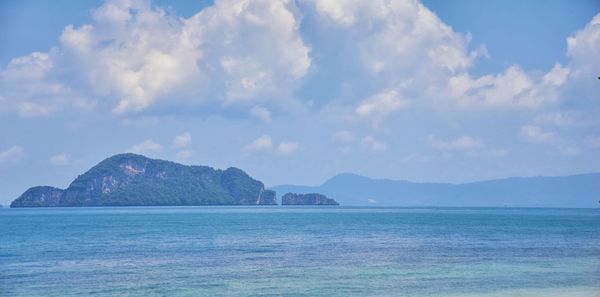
307	199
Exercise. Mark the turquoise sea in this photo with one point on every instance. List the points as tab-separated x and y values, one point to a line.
299	251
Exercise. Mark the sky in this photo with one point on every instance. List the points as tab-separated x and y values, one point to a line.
297	91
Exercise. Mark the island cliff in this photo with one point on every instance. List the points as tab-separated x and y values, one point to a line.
135	180
306	199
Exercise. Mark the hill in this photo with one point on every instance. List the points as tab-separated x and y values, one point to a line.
135	180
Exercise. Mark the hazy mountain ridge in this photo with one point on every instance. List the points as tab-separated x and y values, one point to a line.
582	190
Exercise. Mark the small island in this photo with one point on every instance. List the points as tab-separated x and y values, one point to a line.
307	199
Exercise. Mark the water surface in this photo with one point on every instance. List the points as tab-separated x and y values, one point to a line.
299	251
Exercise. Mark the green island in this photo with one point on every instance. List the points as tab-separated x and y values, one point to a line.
135	180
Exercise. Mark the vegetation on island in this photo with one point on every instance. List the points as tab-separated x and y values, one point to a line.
135	180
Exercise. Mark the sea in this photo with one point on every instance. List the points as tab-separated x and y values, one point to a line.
299	251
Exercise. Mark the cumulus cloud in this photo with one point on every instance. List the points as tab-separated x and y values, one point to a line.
393	36
379	106
133	55
287	148
561	119
60	160
132	52
462	143
536	134
403	47
406	48
261	113
343	137
511	89
30	86
263	143
583	51
184	154
254	47
557	76
12	154
347	141
147	146
183	140
373	144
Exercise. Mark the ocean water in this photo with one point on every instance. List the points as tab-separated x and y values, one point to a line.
299	251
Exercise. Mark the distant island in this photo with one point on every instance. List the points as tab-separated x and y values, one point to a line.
135	180
307	199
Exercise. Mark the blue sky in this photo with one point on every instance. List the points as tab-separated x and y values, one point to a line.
298	91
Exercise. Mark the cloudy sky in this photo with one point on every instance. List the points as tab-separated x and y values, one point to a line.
297	91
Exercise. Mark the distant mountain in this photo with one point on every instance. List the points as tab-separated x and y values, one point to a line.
581	190
135	180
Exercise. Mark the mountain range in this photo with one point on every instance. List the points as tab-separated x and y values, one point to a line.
582	190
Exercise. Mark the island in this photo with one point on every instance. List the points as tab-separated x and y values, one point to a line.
307	199
135	180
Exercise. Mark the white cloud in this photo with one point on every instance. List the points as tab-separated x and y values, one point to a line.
347	140
373	144
557	76
287	148
512	89
560	119
148	146
462	143
12	154
253	47
394	36
261	113
263	143
584	53
30	86
408	49
537	135
380	105
184	154
183	140
133	55
342	13
60	160
404	48
344	137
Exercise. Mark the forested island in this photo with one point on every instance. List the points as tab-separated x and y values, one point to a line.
135	180
307	199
